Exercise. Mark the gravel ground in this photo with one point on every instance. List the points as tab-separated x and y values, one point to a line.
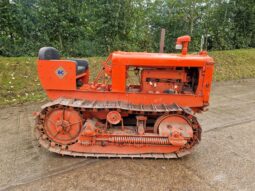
224	160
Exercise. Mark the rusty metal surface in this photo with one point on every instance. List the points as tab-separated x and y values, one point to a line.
162	40
46	144
83	105
114	105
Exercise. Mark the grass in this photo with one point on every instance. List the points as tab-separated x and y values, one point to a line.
234	64
19	82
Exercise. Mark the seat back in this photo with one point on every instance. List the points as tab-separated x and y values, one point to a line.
48	53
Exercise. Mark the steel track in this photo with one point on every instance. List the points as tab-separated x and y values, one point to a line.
82	106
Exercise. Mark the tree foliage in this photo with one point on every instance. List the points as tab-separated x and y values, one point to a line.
98	27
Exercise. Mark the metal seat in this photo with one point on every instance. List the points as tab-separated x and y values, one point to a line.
50	53
81	65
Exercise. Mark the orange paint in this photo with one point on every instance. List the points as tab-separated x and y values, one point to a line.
56	87
179	81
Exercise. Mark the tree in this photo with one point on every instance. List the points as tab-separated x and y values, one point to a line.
98	27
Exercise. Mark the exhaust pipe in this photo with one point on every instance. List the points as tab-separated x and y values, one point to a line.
182	43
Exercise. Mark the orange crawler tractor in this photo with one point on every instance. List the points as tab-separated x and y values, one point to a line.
109	117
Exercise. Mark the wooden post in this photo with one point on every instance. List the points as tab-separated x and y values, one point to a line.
162	40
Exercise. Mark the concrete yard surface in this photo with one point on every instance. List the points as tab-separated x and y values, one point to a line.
224	160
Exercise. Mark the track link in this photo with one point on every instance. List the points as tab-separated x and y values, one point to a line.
82	105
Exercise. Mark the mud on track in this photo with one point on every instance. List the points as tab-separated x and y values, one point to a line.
224	160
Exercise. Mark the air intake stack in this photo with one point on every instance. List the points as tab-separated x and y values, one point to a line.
182	43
